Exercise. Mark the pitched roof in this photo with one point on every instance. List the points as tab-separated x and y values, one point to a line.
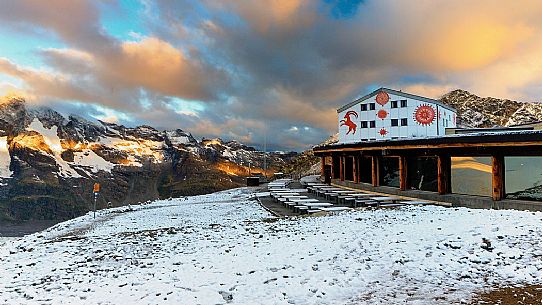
395	92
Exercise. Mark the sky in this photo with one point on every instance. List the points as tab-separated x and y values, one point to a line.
256	71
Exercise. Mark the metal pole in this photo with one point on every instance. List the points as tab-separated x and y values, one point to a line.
95	198
265	151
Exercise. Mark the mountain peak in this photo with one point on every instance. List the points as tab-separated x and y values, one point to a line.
12	98
484	112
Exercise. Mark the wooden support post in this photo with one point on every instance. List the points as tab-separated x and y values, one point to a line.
358	167
355	168
444	168
497	181
341	168
332	167
376	170
403	173
323	167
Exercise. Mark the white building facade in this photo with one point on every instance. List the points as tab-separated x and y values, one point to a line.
387	114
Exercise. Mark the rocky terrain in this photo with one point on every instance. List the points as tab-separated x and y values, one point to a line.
49	163
483	112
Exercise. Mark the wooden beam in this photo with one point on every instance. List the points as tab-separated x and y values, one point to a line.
376	170
497	181
341	168
332	167
403	173
355	168
323	167
444	168
359	168
431	146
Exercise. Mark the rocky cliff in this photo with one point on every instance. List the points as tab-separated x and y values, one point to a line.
49	163
483	112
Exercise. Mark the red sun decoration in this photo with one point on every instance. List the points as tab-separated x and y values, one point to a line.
424	115
382	114
383	132
382	98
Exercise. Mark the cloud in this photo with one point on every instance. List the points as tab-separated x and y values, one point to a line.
265	66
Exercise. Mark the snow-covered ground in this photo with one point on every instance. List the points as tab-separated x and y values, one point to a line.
223	248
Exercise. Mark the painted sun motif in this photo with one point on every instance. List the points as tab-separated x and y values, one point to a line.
424	115
382	114
382	98
383	132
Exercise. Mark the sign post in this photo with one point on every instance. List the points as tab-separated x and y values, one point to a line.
96	191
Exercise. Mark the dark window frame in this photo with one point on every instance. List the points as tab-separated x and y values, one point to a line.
372	124
394	122
394	104
363	107
363	124
404	103
404	122
372	106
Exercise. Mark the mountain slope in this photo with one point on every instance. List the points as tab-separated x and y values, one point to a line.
475	111
49	163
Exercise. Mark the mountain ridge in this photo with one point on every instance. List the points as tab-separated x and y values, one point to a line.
484	112
49	162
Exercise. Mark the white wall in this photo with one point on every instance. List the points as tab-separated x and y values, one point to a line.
446	119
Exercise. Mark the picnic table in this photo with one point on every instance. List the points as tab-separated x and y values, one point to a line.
385	198
343	191
414	202
305	200
295	196
335	209
318	204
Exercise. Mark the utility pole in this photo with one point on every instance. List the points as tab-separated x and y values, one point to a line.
265	152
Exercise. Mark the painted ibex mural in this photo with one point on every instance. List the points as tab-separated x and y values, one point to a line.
348	122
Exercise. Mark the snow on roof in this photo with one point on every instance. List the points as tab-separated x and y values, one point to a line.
395	92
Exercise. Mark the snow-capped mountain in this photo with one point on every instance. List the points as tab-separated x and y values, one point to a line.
475	111
49	163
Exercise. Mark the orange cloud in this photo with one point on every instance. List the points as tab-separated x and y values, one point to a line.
291	107
158	66
270	15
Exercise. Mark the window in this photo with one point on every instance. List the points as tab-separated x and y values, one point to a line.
372	106
363	124
393	104
394	122
372	124
403	103
404	122
363	107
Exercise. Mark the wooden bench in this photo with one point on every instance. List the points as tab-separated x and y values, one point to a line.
413	202
312	211
335	209
365	203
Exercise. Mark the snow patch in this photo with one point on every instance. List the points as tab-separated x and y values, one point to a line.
50	136
91	159
5	159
